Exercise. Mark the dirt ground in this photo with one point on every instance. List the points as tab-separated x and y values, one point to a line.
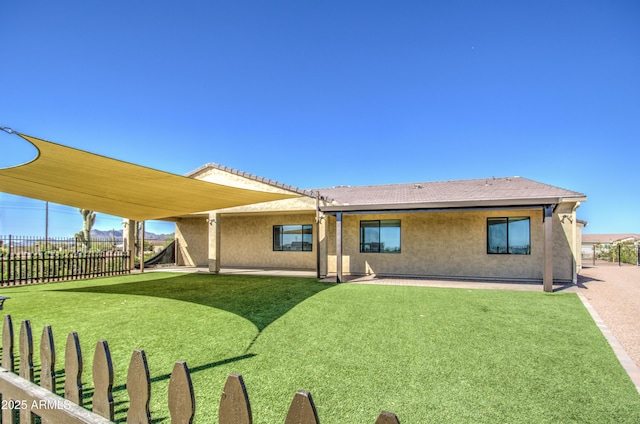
614	292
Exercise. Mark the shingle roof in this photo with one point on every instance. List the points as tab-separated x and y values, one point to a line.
509	191
608	238
502	190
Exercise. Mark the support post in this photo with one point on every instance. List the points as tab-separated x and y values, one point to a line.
339	247
619	254
547	277
142	248
318	235
214	242
129	241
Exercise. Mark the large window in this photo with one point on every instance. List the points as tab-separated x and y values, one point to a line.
509	235
293	238
381	236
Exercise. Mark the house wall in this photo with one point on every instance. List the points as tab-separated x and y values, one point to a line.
439	244
192	235
450	244
566	249
247	241
245	231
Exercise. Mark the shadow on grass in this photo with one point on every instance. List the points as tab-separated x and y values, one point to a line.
259	299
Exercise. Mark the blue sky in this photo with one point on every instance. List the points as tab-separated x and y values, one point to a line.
317	94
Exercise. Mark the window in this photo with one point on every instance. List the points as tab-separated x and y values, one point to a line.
296	238
508	235
380	236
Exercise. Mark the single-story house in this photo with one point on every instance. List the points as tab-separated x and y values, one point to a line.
596	243
492	228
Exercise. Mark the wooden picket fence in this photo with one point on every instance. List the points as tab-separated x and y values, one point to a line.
23	400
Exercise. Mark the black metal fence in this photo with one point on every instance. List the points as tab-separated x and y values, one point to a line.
28	268
613	254
27	260
25	244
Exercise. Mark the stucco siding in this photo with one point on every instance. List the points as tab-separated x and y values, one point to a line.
192	235
438	244
247	241
564	243
445	244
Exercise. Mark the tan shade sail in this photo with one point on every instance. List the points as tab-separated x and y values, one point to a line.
77	178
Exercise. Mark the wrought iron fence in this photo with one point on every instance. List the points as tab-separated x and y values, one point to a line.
27	260
28	268
11	244
613	254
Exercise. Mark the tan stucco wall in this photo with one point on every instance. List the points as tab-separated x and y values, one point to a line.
300	203
449	244
566	247
579	245
220	176
247	241
246	231
440	244
192	235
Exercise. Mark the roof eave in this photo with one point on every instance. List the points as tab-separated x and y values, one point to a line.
462	204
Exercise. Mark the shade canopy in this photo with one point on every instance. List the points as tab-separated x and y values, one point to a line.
73	177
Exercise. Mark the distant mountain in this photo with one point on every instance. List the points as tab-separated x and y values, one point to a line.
99	234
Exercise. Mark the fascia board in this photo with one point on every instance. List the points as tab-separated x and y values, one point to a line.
464	204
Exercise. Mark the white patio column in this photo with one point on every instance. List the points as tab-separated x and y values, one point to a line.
214	242
547	277
129	240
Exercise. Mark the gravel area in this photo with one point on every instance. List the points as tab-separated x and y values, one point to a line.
614	293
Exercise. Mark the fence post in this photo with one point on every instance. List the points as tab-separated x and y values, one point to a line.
8	362
139	389
26	365
234	402
8	357
25	369
619	254
182	401
302	409
103	381
47	363
387	418
73	369
47	360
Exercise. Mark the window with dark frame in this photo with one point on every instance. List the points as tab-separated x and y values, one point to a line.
380	236
293	238
509	235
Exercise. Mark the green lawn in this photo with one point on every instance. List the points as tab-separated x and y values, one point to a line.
427	354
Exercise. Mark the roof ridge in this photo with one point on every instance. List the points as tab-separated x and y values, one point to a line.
251	177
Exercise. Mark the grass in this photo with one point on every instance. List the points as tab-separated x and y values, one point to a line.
427	354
